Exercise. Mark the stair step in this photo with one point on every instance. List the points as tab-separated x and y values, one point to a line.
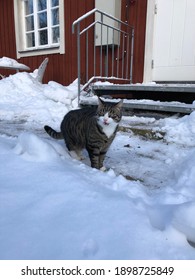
157	92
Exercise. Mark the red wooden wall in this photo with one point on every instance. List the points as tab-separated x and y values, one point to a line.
134	12
62	68
7	33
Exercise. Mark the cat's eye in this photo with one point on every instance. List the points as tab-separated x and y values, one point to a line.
101	113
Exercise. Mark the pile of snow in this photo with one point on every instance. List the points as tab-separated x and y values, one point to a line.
181	131
55	207
24	98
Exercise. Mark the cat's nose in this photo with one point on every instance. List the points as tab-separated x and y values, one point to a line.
106	117
106	121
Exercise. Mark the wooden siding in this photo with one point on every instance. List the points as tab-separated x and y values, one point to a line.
7	34
62	68
134	12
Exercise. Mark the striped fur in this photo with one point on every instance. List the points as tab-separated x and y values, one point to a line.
54	134
92	129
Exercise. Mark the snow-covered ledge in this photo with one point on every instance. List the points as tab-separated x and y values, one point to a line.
9	63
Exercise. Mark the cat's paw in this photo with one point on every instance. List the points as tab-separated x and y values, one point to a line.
76	155
82	157
103	168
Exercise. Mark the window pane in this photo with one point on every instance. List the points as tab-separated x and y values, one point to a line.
55	35
55	16
42	5
42	20
29	7
54	3
29	23
43	38
30	40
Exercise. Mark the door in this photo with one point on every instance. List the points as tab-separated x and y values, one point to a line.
174	41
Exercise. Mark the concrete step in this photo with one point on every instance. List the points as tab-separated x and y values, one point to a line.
161	106
157	92
170	98
145	105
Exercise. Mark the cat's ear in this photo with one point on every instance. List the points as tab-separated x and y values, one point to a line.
100	102
119	104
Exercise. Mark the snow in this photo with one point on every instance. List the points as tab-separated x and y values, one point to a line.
56	207
7	62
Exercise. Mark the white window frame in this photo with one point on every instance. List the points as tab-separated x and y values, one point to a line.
20	31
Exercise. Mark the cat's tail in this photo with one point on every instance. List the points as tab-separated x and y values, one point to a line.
54	134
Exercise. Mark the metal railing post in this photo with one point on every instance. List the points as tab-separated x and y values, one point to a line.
79	61
106	63
112	68
131	58
94	53
113	53
87	56
101	45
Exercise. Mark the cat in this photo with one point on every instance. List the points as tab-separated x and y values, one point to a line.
89	128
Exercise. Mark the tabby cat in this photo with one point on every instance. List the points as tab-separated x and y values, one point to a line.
91	128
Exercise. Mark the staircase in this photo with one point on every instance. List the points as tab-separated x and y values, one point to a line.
176	98
112	60
113	46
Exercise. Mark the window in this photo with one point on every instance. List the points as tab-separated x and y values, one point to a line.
39	26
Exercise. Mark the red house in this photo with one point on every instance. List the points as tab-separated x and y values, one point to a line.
163	40
31	30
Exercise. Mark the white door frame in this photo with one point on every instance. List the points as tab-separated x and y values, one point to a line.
149	39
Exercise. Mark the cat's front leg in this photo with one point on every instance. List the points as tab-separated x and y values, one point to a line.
101	160
97	160
94	158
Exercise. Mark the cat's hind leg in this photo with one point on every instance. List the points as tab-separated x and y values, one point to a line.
76	154
74	151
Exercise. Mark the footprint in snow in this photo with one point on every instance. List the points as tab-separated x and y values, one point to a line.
90	248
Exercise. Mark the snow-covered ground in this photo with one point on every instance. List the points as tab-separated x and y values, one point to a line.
54	207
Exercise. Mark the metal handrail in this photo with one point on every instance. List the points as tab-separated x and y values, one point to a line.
124	47
92	12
